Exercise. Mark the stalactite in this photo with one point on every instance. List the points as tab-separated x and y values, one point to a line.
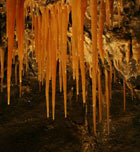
54	50
48	59
74	36
108	13
124	95
11	16
107	99
60	45
50	28
100	31
65	19
20	35
39	50
43	44
100	95
93	8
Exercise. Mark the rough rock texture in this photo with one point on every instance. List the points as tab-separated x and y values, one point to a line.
122	44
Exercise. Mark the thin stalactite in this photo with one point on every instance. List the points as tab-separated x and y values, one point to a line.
93	11
11	17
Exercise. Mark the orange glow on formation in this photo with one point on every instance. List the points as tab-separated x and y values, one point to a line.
50	27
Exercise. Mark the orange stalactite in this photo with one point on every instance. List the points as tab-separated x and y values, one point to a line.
20	35
100	95
124	95
93	12
100	31
11	16
47	79
43	46
60	75
107	98
39	49
57	31
53	61
65	19
83	7
60	44
48	59
74	37
108	13
76	44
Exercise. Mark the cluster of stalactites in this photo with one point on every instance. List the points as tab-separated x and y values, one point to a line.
50	29
105	14
15	14
51	46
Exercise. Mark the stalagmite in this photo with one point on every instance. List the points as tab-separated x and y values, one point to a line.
124	95
11	16
93	11
107	99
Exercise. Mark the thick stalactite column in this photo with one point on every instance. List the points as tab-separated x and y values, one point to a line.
11	16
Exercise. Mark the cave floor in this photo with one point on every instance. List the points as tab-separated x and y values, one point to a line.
25	128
